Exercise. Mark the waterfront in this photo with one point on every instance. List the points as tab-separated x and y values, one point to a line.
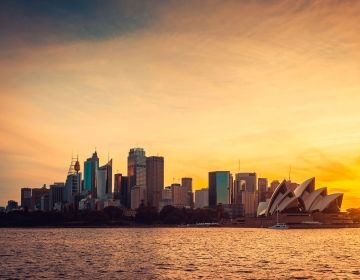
179	253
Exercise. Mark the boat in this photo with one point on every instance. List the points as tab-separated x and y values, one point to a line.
279	225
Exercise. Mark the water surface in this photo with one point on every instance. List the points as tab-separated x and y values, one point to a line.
180	253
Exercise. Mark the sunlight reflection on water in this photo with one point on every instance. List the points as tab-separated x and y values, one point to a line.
180	253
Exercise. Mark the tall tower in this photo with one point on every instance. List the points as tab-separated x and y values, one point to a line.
136	177
73	180
219	186
104	181
154	180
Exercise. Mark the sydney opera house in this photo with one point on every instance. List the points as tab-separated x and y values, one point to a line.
304	199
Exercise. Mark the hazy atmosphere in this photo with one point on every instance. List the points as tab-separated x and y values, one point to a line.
205	84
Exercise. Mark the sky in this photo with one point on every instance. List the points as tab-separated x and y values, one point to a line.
206	84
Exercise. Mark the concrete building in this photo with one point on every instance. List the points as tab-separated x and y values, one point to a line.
56	195
154	180
36	194
26	198
120	188
104	181
186	182
220	183
248	180
262	189
166	198
202	198
136	177
179	195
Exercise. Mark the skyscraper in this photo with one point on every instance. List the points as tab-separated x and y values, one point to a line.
136	177
56	195
120	188
219	186
249	179
186	183
262	189
36	194
26	198
104	181
154	180
91	166
247	182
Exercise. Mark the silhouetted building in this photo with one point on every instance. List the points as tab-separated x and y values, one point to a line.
120	188
91	166
56	195
26	198
262	189
11	205
166	198
202	198
36	195
45	202
136	177
154	180
219	186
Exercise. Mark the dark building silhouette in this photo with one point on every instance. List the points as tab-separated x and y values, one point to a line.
56	194
120	188
154	180
26	198
36	195
219	186
186	182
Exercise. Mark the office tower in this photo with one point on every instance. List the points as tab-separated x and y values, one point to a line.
219	186
36	194
187	184
236	191
26	198
45	202
56	196
104	181
247	183
154	180
73	181
249	179
262	189
179	195
120	188
136	177
202	198
91	166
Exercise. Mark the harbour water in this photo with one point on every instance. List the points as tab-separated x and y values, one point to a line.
179	253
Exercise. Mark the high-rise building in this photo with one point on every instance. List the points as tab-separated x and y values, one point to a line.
247	182
91	166
202	198
73	181
136	177
120	188
186	183
154	180
36	195
219	187
179	195
26	198
166	198
104	181
249	179
56	195
11	205
45	202
262	189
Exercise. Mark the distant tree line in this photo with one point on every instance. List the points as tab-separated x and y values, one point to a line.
112	216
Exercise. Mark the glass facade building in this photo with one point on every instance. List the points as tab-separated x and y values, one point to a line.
219	185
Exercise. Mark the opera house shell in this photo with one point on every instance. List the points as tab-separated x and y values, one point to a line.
304	199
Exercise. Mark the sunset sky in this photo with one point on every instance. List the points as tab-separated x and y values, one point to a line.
202	83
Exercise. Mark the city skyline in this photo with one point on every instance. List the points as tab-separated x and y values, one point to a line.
204	85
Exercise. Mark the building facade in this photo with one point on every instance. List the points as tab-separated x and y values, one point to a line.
219	187
136	177
154	180
91	166
26	198
202	198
